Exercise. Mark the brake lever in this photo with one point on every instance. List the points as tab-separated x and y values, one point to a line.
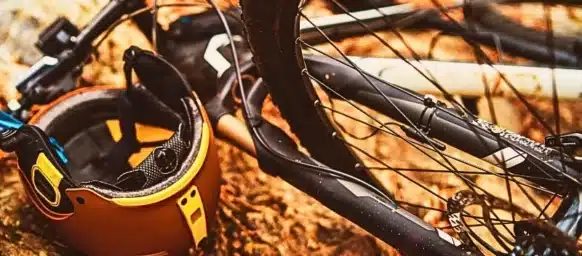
42	65
571	145
570	141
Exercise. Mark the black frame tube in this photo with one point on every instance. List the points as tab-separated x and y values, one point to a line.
445	124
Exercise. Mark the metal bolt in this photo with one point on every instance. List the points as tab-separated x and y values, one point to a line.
165	159
429	100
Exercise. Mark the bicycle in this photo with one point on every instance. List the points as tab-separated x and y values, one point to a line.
380	213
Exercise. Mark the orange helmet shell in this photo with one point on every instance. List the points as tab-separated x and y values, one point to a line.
167	222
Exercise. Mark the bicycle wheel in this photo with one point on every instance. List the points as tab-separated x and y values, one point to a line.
488	207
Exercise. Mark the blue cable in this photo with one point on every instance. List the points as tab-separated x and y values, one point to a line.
9	122
59	149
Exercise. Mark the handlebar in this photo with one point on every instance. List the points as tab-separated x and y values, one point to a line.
34	86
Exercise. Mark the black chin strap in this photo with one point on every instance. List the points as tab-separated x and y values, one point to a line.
138	103
118	156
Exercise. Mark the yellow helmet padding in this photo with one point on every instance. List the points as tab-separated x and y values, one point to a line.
145	133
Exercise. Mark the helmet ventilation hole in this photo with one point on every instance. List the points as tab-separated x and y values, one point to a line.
80	200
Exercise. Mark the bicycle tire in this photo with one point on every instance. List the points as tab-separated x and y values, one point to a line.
484	15
358	5
314	130
515	38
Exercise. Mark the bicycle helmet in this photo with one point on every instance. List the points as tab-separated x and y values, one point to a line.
140	175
